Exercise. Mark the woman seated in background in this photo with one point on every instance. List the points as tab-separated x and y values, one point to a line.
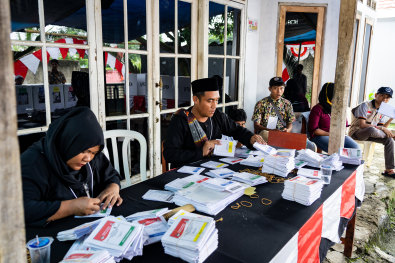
320	120
65	173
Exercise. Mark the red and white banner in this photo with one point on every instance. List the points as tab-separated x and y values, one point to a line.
306	48
285	74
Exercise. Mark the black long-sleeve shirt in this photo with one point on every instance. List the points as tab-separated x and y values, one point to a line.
179	147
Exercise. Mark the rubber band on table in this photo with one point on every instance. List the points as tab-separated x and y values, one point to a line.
254	196
248	204
268	201
235	207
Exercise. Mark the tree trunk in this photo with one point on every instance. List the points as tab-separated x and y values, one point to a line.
12	226
342	76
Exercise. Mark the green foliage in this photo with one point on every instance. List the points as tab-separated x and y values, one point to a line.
216	28
371	96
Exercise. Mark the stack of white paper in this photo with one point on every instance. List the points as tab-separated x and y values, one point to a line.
77	232
154	228
266	149
227	138
158	195
249	178
147	214
205	199
350	156
221	184
182	183
226	148
302	190
312	158
192	239
89	256
214	165
242	152
120	238
278	165
310	173
286	152
333	161
190	170
180	213
221	173
254	161
231	160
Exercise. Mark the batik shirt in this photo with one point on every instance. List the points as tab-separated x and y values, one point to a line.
264	109
56	77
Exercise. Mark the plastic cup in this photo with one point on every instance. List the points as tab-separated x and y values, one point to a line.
326	171
40	252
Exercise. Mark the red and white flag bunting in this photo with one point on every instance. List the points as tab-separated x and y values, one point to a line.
32	61
285	74
306	48
304	246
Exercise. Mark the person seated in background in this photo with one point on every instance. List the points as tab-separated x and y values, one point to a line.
320	120
294	94
65	173
368	125
55	76
239	116
193	133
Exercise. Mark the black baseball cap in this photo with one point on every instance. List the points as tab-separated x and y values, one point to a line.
385	90
276	81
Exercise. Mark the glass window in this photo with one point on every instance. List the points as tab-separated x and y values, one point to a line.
113	23
167	74
184	82
139	125
25	24
184	27
166	26
115	93
233	31
138	91
232	80
137	25
365	57
216	68
216	28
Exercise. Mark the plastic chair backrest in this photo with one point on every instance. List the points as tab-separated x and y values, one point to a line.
287	140
127	136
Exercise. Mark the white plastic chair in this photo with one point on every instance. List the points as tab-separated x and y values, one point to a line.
127	136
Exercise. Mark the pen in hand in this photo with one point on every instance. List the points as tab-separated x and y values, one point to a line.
87	190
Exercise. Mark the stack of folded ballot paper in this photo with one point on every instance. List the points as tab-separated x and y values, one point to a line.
190	169
312	158
120	238
255	161
242	152
158	195
221	173
278	164
226	148
333	161
266	149
205	199
180	213
192	239
310	173
214	165
147	214
302	190
182	183
350	156
77	232
89	256
221	184
231	160
249	178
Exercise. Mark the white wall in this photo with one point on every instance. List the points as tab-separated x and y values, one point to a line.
261	58
382	56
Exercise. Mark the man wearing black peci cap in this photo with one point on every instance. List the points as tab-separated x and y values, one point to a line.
193	133
369	125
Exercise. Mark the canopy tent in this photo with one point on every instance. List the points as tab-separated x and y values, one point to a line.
72	13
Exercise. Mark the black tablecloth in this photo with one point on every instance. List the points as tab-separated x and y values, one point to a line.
248	234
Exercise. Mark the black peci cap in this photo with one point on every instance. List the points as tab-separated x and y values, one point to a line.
385	90
276	81
206	84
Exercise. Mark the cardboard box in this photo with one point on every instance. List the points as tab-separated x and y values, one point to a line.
24	98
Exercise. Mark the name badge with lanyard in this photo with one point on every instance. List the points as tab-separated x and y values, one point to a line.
272	122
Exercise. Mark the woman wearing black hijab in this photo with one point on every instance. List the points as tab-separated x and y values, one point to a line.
65	173
320	120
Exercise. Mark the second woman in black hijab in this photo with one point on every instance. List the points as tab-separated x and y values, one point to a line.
65	173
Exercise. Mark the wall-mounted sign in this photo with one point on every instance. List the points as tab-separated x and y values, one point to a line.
252	24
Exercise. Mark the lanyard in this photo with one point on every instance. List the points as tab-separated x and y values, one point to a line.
90	170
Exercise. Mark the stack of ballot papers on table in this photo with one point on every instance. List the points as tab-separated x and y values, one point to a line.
254	161
158	195
147	214
154	228
312	158
182	183
121	238
226	148
242	152
180	213
266	149
249	178
221	173
350	156
278	164
190	170
231	160
78	231
310	173
89	256
214	165
192	239
333	161
205	199
302	190
221	184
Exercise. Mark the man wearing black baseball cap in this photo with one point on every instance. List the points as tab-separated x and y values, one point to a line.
193	133
369	125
